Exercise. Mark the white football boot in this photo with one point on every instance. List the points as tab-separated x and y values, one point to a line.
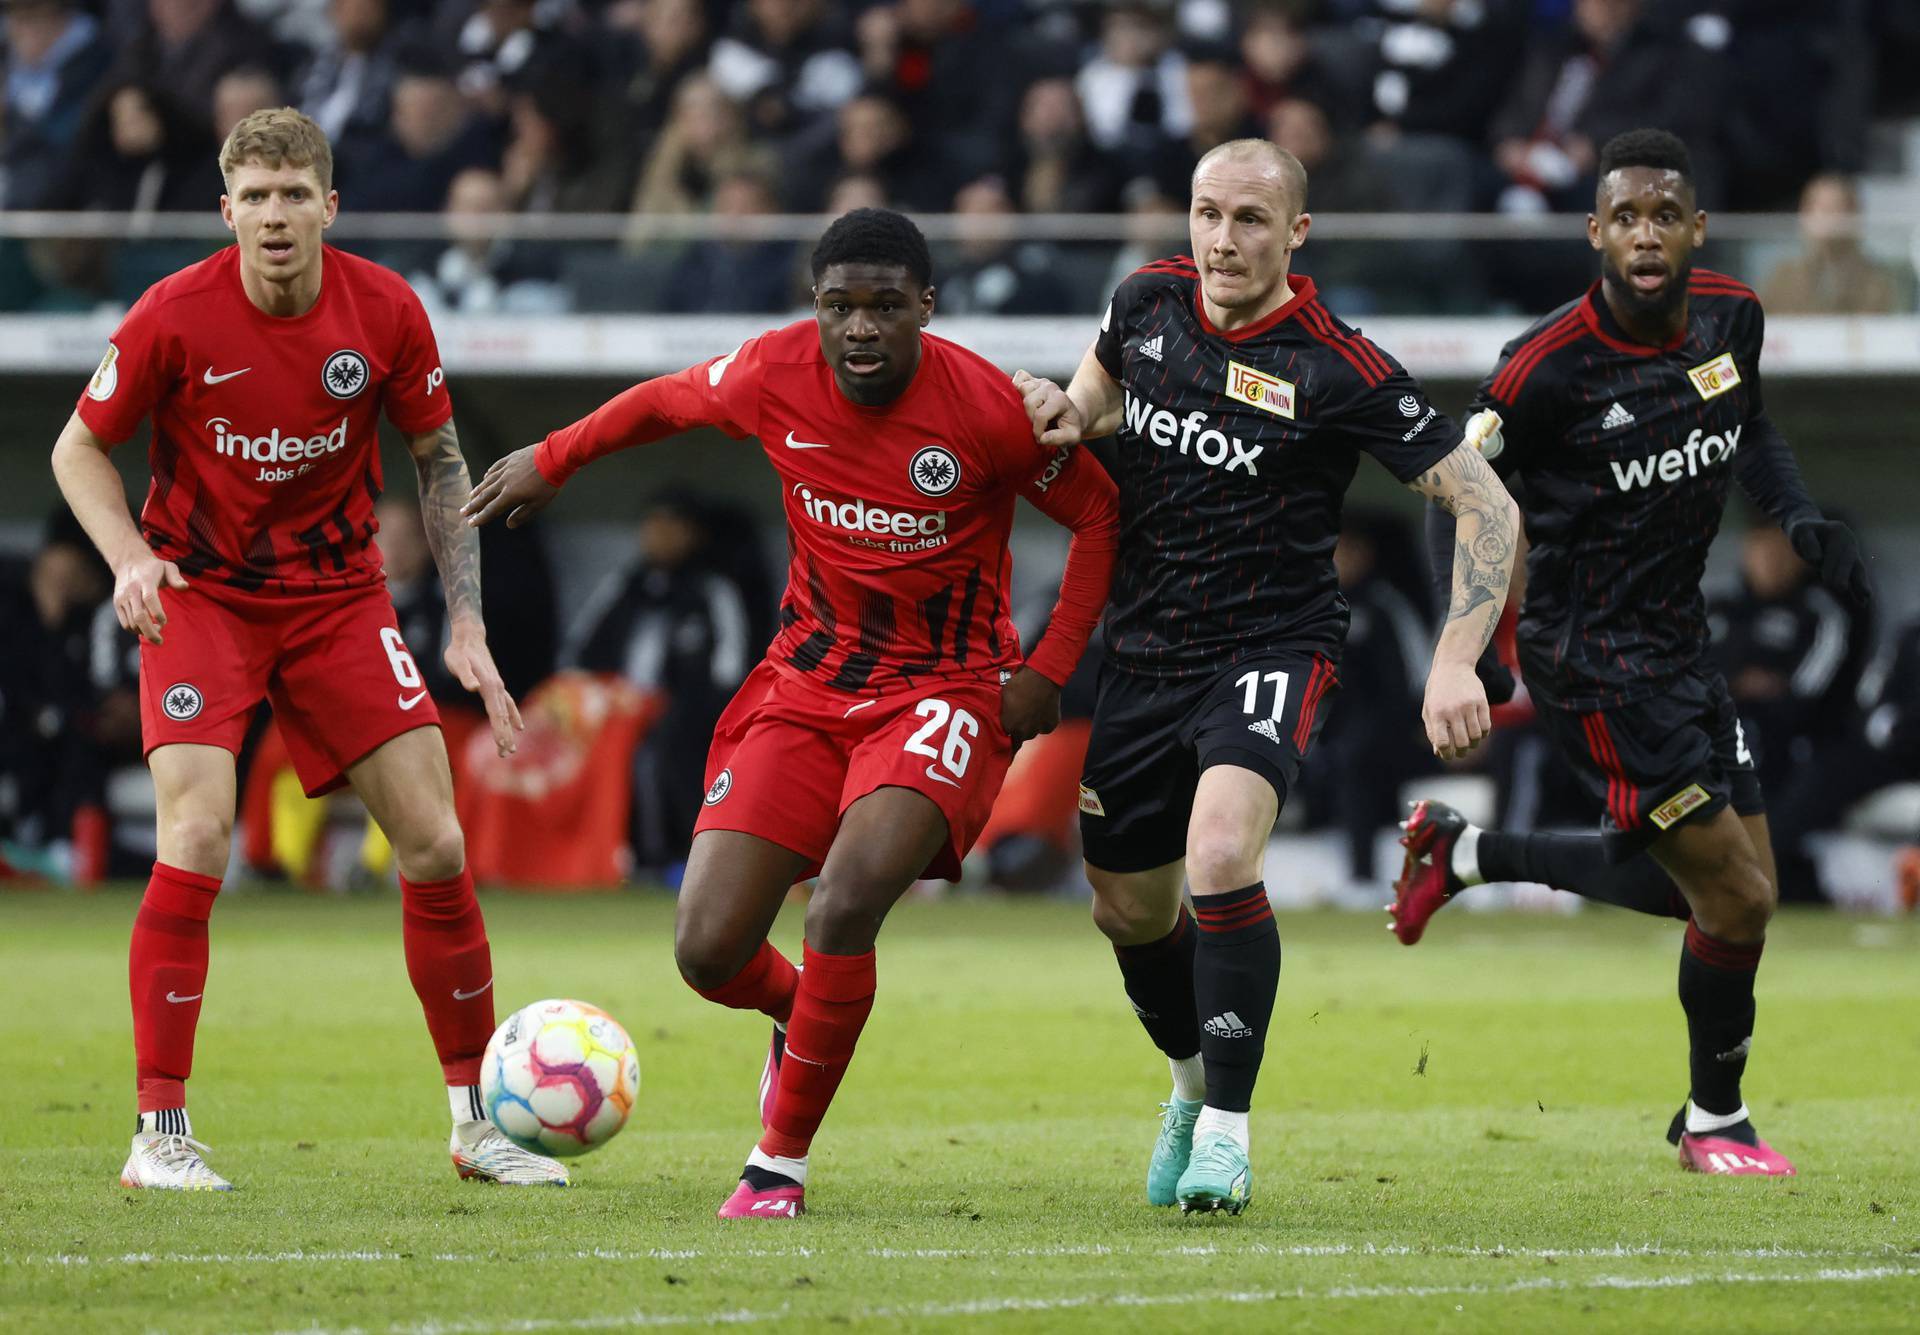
168	1162
482	1154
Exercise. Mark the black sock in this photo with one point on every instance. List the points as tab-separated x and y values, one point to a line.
1716	991
1236	971
1159	981
1583	864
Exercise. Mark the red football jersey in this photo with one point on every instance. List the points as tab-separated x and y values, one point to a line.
266	455
897	516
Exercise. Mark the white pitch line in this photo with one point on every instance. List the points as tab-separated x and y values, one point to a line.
374	1256
998	1306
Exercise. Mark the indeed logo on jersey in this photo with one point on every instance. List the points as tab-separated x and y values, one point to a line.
870	526
1209	445
274	448
1668	465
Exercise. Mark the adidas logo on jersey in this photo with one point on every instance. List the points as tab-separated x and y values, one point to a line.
1266	728
1616	418
1228	1025
1699	452
1209	445
1151	348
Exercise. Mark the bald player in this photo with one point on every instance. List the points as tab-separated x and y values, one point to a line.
1239	408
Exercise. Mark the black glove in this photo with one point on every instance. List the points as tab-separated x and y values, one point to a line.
1830	547
1496	678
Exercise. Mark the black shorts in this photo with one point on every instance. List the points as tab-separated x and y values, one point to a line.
1152	737
1679	755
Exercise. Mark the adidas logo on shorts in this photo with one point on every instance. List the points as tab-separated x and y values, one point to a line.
1151	348
1266	728
1616	418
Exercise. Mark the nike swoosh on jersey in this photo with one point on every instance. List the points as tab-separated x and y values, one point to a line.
409	703
458	995
213	379
941	778
793	444
177	1000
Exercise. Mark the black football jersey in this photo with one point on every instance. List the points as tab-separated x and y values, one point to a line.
1623	455
1233	456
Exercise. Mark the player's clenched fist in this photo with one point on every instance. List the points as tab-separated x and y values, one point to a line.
1056	422
1029	705
512	487
136	595
1455	711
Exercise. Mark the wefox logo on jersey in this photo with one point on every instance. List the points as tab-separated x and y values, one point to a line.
1207	443
1668	466
276	448
890	530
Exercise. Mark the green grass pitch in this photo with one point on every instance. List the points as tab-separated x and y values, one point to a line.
1462	1136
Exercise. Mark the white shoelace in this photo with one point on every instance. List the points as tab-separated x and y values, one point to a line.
178	1153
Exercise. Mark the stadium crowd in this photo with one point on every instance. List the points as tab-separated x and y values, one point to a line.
744	107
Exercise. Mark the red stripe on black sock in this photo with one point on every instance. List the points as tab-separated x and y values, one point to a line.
1743	957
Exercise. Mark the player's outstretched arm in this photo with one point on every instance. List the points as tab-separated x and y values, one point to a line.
1087	409
444	487
1486	532
91	485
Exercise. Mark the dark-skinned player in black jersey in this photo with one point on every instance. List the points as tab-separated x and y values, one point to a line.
1239	409
1627	415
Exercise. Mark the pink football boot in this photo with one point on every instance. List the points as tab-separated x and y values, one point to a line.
1426	877
782	1202
1710	1152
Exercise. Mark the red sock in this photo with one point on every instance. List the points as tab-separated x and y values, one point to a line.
830	1007
765	985
167	974
451	969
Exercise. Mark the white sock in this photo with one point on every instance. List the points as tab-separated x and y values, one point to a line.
1215	1122
464	1102
1700	1122
773	1163
167	1121
1189	1077
1466	857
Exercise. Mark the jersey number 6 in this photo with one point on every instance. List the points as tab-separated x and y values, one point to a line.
960	725
405	670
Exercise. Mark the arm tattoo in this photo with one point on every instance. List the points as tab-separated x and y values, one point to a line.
1485	539
444	487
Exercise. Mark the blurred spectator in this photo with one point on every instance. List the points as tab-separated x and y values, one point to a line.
1831	275
992	274
47	765
1618	65
139	153
186	45
704	140
1157	227
347	85
1054	167
786	61
935	58
239	93
729	272
507	44
1341	178
1280	63
564	153
856	190
1799	98
871	137
1431	61
671	41
676	619
1792	655
482	273
54	56
1134	90
1220	112
431	137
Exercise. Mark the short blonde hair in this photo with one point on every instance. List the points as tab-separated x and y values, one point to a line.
277	137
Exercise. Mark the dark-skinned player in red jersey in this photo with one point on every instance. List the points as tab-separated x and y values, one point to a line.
1627	415
1240	408
870	744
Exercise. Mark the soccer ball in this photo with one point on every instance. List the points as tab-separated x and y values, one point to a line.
559	1077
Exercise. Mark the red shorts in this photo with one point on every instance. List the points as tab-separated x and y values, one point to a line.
789	757
333	664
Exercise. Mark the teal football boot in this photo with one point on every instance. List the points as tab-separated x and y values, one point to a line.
1218	1177
1172	1150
